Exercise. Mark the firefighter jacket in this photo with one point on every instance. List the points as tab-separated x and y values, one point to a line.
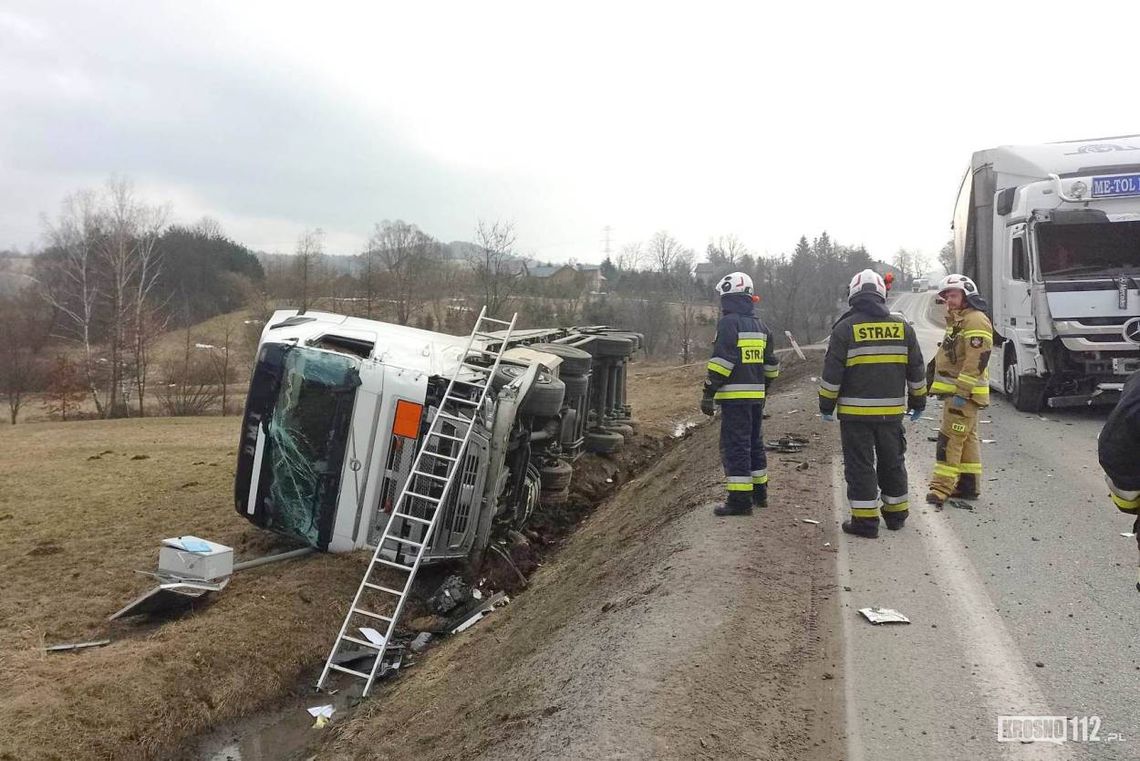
743	363
873	369
961	367
1119	449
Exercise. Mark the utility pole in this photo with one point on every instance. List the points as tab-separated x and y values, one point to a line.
606	231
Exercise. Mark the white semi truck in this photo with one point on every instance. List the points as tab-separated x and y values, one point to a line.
1051	235
338	406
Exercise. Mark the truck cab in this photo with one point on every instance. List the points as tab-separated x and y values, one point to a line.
338	406
1051	235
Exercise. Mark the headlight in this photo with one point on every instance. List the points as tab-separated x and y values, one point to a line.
1078	189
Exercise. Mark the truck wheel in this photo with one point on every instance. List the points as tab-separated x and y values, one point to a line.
635	339
1027	392
505	374
557	476
544	399
603	442
576	385
554	497
574	361
612	346
621	428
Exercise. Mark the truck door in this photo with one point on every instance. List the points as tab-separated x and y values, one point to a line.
1017	312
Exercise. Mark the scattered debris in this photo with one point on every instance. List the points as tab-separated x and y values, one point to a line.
985	421
960	504
188	569
989	441
1127	535
787	444
141	457
827	544
682	428
322	714
812	521
452	593
884	616
420	643
373	636
932	438
802	466
76	646
477	615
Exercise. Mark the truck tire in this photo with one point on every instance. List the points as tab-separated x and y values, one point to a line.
553	497
574	361
1027	392
603	442
576	385
612	346
557	476
633	338
621	428
544	399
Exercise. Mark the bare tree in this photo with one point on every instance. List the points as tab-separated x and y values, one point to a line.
496	272
664	251
904	262
946	257
310	249
728	252
630	258
21	333
407	255
72	283
149	319
222	357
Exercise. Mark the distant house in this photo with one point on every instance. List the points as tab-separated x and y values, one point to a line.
707	273
592	277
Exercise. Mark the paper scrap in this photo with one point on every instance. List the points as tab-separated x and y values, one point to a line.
373	636
325	711
989	441
1127	535
884	616
812	521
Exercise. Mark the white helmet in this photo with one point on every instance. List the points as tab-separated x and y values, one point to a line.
958	283
735	282
867	281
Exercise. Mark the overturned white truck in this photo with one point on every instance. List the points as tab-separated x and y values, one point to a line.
338	407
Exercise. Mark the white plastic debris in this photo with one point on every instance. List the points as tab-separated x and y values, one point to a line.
812	521
884	616
1127	535
373	636
326	711
989	441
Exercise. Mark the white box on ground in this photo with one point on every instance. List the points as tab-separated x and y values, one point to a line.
208	560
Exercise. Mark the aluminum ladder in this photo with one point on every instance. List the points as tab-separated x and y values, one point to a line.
425	470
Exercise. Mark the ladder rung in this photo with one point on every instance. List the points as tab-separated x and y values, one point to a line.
445	435
380	588
440	456
424	521
417	495
461	400
480	368
389	563
354	672
393	538
370	614
428	475
364	642
449	416
497	322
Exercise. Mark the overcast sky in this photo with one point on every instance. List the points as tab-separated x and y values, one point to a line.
703	119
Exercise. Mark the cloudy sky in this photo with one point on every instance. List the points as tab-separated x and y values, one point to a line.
704	119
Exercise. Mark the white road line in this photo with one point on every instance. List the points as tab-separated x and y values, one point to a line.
1006	686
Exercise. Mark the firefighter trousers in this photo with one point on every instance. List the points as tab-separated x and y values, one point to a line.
958	455
741	448
874	466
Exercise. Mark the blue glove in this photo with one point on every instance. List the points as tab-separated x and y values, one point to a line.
828	417
959	402
914	415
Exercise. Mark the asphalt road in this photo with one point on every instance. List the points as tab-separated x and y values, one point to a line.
1025	605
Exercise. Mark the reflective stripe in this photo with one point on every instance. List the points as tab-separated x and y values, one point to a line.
977	334
828	394
1128	506
724	363
771	371
829	386
938	387
878	359
864	512
752	335
970	468
863	502
759	477
968	378
942	469
738	479
898	410
1126	500
889	500
916	385
897	507
860	402
864	351
943	378
751	343
919	391
728	395
715	368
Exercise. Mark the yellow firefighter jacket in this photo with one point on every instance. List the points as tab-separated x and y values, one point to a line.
960	368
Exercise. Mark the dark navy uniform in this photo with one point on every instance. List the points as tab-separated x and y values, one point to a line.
1119	451
742	367
872	372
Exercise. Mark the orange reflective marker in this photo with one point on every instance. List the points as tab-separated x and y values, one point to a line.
407	422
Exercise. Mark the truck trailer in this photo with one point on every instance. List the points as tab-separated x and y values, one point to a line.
1051	235
338	407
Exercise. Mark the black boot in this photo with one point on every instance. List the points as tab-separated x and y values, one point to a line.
895	520
967	487
760	495
867	528
738	503
934	498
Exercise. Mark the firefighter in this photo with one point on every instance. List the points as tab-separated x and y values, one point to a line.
872	373
962	378
1119	453
742	367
